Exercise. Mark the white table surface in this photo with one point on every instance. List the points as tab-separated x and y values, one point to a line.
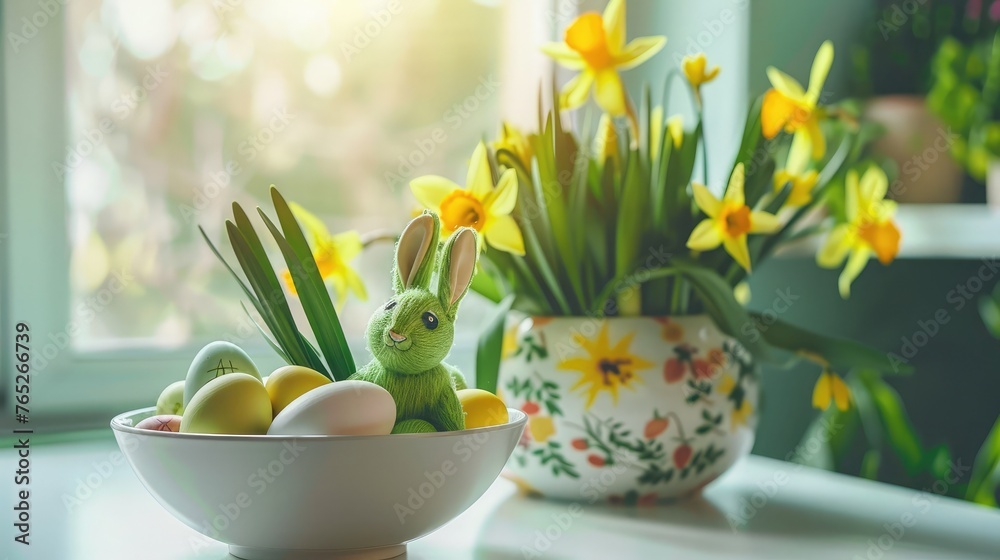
810	514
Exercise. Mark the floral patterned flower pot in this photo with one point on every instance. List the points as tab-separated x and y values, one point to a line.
630	410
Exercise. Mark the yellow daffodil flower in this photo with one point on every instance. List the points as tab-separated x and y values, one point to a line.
332	253
790	107
802	181
729	220
515	142
482	205
869	229
694	70
830	388
595	45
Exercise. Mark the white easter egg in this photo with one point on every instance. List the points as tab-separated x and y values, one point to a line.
345	408
215	360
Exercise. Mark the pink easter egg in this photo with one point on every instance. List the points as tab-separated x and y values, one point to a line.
161	423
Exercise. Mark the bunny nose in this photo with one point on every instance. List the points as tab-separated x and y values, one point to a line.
396	337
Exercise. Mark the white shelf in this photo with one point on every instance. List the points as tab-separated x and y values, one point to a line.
761	509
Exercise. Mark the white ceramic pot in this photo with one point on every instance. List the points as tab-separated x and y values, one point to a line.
299	497
631	410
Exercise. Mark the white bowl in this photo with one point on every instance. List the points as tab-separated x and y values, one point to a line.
299	497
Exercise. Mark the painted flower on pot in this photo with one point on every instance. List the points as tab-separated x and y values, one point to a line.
685	359
606	367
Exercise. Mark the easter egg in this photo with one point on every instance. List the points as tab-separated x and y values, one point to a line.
288	383
215	360
161	423
348	408
171	400
482	408
234	403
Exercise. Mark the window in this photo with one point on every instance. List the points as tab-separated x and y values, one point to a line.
130	124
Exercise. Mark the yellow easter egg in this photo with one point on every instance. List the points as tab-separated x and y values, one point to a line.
235	403
288	383
482	408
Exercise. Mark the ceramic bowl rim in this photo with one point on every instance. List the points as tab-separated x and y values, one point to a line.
516	419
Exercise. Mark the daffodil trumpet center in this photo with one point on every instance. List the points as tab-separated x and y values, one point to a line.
882	237
586	36
736	220
461	209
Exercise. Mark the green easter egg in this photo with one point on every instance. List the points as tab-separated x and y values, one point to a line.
171	400
215	360
235	403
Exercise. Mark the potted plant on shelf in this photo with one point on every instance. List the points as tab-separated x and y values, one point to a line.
620	281
965	94
892	68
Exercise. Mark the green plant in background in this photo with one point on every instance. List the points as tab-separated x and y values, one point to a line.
985	485
265	292
966	96
965	90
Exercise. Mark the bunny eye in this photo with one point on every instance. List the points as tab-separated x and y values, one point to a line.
430	320
390	304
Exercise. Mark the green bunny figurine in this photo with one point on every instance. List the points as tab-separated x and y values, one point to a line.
411	334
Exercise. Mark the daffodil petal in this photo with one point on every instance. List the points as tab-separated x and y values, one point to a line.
762	222
852	196
734	191
575	92
610	93
614	24
355	284
706	200
785	84
314	226
816	139
855	264
286	276
737	248
340	289
430	190
639	50
841	393
503	233
798	154
775	112
479	180
822	393
705	237
820	69
835	250
348	245
564	55
874	185
501	201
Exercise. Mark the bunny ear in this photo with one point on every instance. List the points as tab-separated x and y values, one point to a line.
458	264
415	253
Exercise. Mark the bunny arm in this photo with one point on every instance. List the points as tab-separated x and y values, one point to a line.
448	413
457	377
426	396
